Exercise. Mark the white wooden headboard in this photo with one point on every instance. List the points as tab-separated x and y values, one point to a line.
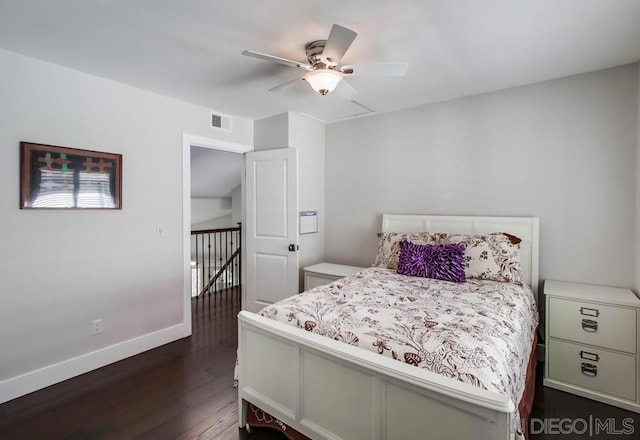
525	228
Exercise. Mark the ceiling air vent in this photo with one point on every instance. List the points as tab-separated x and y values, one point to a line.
220	121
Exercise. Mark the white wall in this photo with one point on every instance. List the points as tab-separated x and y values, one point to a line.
205	211
224	221
637	259
308	136
62	269
271	132
562	150
236	206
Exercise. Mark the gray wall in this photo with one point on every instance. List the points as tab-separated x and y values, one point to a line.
563	150
62	269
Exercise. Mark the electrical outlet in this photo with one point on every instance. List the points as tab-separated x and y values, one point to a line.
96	327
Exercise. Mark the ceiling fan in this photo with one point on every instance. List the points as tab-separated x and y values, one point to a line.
324	72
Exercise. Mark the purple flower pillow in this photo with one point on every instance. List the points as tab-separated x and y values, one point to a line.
441	262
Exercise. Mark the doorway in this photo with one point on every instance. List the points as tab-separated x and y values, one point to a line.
216	200
213	199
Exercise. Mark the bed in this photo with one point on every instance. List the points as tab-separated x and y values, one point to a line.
330	387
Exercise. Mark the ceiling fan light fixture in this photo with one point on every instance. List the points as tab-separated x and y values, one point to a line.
323	81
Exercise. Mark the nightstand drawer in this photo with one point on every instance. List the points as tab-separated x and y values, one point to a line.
325	273
312	280
594	324
595	369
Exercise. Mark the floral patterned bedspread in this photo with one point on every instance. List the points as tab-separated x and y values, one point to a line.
479	332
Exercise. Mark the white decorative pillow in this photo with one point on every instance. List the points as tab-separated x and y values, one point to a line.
389	246
488	257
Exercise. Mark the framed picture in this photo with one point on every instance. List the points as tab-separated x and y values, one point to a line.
68	178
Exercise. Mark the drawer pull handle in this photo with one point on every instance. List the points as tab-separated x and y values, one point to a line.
586	311
589	356
589	369
589	325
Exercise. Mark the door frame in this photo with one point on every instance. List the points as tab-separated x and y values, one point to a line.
188	141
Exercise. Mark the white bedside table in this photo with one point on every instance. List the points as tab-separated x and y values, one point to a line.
592	346
325	273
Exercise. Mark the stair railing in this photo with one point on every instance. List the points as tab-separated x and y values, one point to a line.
216	261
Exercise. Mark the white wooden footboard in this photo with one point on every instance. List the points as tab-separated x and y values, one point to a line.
328	389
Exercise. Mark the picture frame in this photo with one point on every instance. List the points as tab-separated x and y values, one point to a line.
54	177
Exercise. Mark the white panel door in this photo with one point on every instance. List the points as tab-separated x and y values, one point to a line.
272	226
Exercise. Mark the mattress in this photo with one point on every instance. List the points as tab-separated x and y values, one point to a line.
479	332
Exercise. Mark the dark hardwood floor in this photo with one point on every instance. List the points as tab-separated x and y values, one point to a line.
183	390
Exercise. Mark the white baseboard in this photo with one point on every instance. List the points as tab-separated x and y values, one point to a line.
52	374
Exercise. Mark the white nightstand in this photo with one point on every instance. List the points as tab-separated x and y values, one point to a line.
592	346
325	273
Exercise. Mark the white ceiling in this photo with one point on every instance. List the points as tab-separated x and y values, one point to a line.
190	49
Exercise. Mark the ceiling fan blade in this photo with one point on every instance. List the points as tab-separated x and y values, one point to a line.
284	61
375	70
286	85
338	42
344	91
